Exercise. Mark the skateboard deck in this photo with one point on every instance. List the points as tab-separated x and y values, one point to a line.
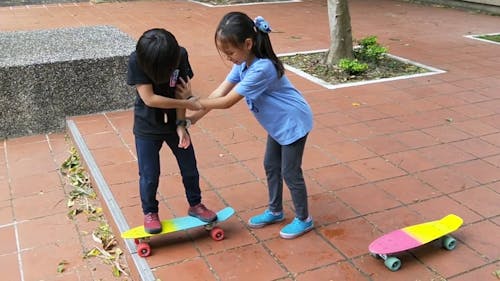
410	237
141	237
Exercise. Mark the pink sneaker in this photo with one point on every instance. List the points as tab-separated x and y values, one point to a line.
152	223
201	212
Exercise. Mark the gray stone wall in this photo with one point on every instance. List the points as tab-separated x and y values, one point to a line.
6	3
48	75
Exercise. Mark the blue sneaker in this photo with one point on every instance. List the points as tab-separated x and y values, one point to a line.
264	219
296	228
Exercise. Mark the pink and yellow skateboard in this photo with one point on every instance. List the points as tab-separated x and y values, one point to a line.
414	236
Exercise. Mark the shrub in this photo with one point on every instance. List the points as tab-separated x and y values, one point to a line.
368	41
369	50
352	66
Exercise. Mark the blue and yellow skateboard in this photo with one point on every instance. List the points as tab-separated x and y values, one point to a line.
141	237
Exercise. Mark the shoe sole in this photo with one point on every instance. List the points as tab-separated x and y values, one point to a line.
202	219
152	231
252	225
291	236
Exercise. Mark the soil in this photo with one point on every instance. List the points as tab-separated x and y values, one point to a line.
387	67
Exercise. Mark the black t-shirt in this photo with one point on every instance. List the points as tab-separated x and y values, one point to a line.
149	122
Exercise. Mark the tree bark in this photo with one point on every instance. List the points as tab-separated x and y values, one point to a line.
340	32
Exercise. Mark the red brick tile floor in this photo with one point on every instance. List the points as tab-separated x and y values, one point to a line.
395	160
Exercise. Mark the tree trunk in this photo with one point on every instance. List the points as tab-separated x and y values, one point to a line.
340	32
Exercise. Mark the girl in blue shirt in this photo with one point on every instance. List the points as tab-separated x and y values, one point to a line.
258	76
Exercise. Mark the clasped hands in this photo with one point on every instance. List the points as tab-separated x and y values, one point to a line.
183	91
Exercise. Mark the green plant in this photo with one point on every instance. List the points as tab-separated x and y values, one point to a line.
368	41
494	37
352	66
369	50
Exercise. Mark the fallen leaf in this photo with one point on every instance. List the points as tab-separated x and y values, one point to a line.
92	253
60	266
116	271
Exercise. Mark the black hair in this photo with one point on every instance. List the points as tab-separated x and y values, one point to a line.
158	54
235	27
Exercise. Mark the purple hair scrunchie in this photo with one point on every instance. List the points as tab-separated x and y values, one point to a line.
262	24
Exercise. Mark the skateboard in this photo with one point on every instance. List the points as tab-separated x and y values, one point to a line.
141	237
414	236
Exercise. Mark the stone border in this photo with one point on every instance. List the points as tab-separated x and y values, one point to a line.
245	4
432	71
476	37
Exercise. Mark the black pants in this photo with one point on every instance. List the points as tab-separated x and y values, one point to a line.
148	154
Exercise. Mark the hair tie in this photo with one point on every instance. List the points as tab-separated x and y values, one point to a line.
262	24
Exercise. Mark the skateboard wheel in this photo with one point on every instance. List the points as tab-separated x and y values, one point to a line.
143	250
137	241
449	243
392	263
217	233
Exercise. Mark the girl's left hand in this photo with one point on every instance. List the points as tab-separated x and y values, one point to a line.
184	138
194	104
183	89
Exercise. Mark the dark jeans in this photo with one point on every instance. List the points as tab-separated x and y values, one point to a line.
148	158
285	162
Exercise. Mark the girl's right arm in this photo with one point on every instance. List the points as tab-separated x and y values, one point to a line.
223	102
153	100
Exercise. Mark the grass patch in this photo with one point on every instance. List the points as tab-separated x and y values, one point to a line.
493	37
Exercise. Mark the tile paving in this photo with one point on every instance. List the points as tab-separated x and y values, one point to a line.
414	150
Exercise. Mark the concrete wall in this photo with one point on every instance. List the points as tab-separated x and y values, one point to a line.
6	3
47	75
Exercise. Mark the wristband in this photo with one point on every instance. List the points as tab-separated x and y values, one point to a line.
183	122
